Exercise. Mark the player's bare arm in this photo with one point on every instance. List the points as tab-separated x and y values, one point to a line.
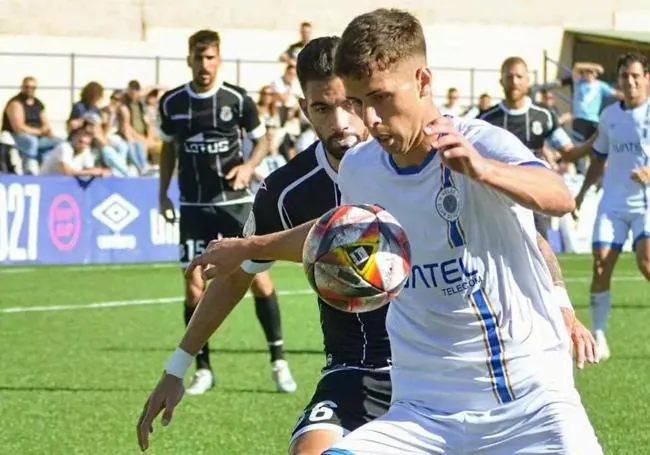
575	152
219	299
594	173
225	255
167	166
533	187
584	344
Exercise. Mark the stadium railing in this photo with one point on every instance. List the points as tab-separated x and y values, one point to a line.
72	71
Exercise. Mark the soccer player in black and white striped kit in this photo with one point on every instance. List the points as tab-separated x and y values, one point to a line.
201	124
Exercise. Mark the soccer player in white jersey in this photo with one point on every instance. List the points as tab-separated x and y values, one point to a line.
480	355
623	143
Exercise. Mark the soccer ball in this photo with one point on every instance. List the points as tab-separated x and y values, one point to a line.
357	257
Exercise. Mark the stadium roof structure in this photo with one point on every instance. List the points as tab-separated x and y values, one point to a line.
612	36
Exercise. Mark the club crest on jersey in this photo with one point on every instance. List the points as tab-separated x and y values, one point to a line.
225	114
536	128
249	226
448	203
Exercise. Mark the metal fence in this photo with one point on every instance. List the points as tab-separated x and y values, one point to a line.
471	79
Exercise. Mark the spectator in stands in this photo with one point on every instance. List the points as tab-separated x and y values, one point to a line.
287	89
10	162
134	126
91	96
267	109
484	105
113	159
155	143
274	158
73	157
25	118
589	94
110	121
452	106
291	54
547	100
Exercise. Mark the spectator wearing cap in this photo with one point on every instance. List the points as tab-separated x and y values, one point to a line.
73	157
113	159
134	126
25	118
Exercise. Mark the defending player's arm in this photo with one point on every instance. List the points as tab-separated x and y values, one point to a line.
167	162
584	343
597	163
249	122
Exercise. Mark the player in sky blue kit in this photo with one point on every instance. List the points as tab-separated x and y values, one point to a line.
623	143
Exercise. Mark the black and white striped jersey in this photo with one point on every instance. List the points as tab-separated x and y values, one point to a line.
532	124
302	190
207	128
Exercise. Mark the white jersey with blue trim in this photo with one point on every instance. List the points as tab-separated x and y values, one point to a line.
475	326
623	140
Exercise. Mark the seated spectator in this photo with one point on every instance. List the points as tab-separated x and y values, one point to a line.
484	105
134	126
90	97
291	54
155	143
273	160
25	118
112	158
547	99
452	106
111	124
267	109
287	89
10	162
73	157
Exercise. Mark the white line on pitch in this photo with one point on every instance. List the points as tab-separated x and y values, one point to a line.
120	303
164	300
103	268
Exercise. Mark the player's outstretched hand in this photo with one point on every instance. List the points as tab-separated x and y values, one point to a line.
164	398
456	152
641	175
240	176
584	344
221	257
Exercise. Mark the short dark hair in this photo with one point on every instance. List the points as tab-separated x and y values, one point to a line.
305	24
203	39
378	40
316	60
511	61
632	57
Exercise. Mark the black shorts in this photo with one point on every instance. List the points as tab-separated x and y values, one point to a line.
201	224
344	400
583	129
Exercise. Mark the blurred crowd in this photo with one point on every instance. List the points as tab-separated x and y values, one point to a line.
120	138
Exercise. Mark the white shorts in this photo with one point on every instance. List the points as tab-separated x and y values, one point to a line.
612	228
549	423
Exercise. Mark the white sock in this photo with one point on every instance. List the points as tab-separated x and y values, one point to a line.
601	304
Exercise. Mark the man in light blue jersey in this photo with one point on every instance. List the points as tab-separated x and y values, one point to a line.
624	144
480	355
589	94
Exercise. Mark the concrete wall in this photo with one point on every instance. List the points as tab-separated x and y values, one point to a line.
453	51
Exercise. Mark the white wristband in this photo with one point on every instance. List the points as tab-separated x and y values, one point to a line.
561	297
179	363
